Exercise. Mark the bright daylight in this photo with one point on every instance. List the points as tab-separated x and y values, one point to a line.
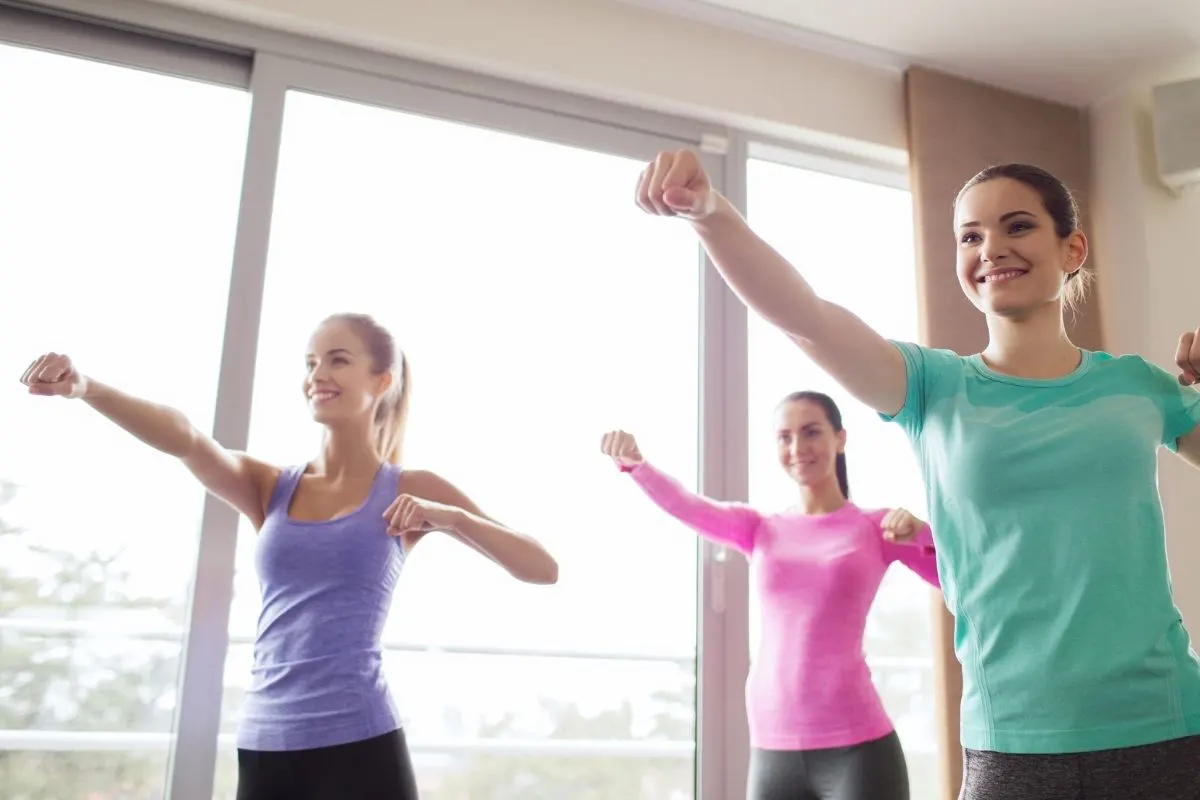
531	327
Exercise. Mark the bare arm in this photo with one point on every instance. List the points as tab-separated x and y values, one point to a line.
522	556
862	361
242	482
1189	447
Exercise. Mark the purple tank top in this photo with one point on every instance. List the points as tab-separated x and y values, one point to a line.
326	588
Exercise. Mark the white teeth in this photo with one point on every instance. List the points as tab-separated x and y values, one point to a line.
1001	276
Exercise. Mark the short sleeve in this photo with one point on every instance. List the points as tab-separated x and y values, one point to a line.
911	416
1180	405
932	374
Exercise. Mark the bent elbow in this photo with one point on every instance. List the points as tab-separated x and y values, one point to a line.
188	443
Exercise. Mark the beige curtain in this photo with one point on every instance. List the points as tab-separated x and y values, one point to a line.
955	128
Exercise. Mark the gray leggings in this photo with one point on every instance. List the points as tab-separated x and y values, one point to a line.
1163	771
873	770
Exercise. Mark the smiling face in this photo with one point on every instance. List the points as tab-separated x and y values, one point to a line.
808	445
341	382
1014	255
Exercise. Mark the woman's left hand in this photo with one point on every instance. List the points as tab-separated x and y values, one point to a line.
412	517
899	526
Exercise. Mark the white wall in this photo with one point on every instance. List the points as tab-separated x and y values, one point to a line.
622	53
1146	242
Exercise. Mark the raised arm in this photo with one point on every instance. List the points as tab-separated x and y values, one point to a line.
730	524
242	482
428	502
908	540
862	361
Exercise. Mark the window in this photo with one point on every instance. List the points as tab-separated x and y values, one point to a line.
507	273
853	241
118	205
491	227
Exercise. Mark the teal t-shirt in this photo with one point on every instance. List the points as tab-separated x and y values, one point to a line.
1043	498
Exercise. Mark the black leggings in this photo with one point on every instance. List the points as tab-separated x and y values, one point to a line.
1164	771
873	770
372	769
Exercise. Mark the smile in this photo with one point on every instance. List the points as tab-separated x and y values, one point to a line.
1001	276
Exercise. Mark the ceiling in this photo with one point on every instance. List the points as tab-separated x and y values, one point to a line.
1073	51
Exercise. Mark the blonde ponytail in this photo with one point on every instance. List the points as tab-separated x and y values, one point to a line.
391	418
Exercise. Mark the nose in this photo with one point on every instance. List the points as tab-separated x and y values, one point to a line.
319	374
992	250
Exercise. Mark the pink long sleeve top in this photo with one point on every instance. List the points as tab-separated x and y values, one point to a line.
816	576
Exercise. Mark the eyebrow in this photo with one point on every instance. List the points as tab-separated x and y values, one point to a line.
1003	218
805	427
335	351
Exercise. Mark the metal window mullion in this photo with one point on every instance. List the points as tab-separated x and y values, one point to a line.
735	736
193	755
723	651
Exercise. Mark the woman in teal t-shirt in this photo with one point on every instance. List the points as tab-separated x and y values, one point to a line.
1039	459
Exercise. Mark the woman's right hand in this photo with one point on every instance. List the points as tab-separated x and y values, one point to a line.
622	448
53	375
675	184
863	362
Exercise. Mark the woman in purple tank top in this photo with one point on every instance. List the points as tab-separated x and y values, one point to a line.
319	722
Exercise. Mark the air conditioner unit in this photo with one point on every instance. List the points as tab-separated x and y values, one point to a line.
1177	133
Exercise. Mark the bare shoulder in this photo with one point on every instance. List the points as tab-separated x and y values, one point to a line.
427	485
263	477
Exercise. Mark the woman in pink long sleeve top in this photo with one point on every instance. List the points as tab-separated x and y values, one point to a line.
818	729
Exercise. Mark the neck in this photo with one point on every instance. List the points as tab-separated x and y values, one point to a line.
1035	345
823	498
346	453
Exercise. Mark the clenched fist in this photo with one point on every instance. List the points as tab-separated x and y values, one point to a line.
411	517
622	448
53	375
676	185
899	526
1187	357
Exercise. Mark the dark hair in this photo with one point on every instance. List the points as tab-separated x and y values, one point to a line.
391	416
1060	204
834	415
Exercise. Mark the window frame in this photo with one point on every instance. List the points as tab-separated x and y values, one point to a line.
268	64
